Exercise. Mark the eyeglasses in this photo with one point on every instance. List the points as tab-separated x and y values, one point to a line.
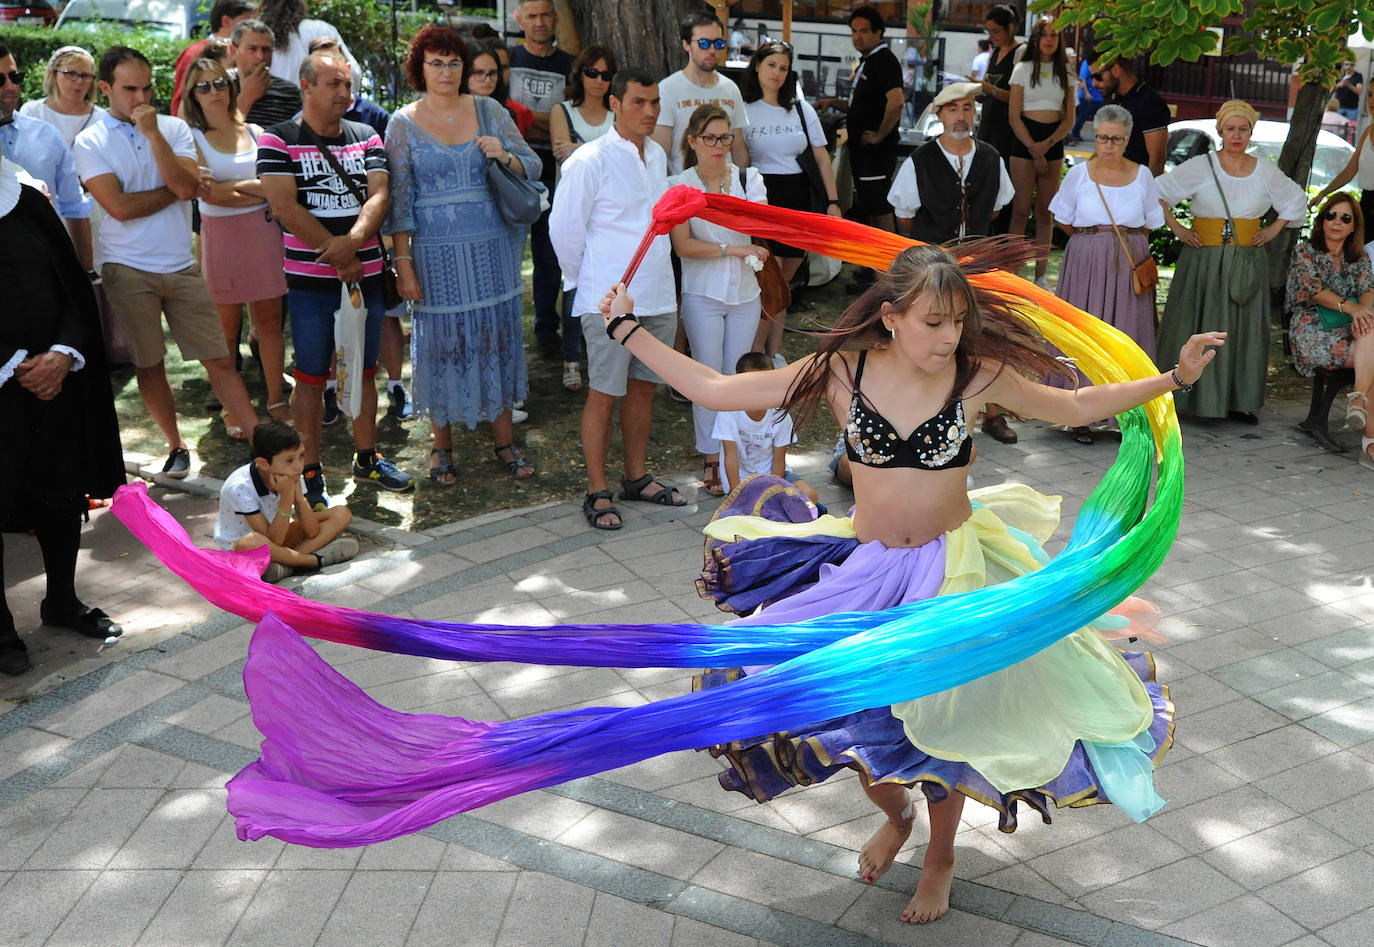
484	74
219	84
711	141
710	43
1100	73
16	77
1110	139
74	75
1332	215
591	73
451	66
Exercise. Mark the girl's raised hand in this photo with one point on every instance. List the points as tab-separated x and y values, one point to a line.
616	303
1196	353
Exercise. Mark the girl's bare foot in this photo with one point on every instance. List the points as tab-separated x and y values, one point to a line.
931	901
880	851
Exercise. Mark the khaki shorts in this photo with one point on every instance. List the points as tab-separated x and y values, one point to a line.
610	364
140	298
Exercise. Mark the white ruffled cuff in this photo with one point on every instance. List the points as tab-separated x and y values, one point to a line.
7	370
78	360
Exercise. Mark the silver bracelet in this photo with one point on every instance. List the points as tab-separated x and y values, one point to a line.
1179	381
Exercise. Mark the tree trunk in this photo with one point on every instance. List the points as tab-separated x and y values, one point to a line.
1295	160
641	33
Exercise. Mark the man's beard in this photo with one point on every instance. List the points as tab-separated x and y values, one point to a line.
960	132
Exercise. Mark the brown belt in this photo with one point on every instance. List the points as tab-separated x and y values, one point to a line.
1107	228
1210	230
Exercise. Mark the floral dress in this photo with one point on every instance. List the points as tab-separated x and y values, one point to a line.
1314	345
467	344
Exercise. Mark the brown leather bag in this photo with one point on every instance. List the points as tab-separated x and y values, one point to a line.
776	295
1144	276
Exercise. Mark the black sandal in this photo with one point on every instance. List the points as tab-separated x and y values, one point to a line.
633	490
1082	435
516	462
593	515
442	473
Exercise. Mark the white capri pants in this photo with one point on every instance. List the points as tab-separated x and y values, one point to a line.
719	334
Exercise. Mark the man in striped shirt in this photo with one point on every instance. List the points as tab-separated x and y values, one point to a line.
331	240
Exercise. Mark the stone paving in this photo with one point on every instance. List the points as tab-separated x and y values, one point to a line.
113	760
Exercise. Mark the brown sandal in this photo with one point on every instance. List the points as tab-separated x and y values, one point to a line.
710	476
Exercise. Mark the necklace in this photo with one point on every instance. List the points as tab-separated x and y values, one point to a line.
720	187
447	116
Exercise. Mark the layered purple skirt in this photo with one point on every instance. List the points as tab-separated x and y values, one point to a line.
870	577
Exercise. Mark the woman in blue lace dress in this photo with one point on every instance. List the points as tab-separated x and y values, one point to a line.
455	257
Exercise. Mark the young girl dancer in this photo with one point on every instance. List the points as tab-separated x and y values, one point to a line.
936	349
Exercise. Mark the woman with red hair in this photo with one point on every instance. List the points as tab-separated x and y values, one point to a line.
455	258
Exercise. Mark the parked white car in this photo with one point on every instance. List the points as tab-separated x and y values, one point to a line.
175	18
1199	136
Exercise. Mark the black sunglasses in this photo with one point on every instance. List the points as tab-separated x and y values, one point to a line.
219	84
1332	215
704	43
591	73
1100	73
16	77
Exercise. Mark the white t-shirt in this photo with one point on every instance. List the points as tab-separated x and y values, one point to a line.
727	279
242	494
775	136
157	243
286	63
1078	204
905	195
240	166
980	66
1046	96
754	441
69	125
680	96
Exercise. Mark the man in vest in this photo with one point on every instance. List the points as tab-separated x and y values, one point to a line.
952	186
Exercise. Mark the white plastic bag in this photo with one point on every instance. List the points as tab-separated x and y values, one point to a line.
350	323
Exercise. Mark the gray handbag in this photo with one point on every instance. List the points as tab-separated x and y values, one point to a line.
520	201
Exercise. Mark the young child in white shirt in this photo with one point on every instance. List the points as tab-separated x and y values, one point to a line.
263	503
754	443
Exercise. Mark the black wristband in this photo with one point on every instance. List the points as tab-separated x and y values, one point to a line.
833	200
615	323
633	329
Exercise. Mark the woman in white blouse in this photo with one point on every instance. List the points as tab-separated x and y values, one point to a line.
1041	110
1222	281
720	294
1108	205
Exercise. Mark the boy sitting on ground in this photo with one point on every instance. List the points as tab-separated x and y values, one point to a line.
263	504
754	443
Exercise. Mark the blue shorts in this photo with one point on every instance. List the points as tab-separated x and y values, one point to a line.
312	329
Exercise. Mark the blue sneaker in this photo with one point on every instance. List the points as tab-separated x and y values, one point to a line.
331	407
315	493
401	407
384	474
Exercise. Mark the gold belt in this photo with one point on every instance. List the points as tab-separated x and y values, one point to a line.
1210	229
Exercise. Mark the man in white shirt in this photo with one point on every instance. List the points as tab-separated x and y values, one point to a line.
141	167
601	212
698	83
952	186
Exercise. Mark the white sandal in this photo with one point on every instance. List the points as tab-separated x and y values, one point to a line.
1365	459
1356	415
572	378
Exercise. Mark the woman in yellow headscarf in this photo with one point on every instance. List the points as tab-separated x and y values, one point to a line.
1221	280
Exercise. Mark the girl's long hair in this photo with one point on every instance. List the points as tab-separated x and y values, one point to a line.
1059	62
993	334
283	16
701	116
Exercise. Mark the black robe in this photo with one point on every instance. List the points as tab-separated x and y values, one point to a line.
56	452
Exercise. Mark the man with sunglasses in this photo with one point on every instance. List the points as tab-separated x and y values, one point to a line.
698	83
39	149
1149	112
538	72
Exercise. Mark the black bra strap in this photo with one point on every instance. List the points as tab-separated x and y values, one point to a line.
859	369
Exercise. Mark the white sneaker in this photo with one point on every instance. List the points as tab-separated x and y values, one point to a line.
779	360
340	550
517	416
276	571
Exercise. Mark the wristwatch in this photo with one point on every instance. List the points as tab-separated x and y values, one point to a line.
723	248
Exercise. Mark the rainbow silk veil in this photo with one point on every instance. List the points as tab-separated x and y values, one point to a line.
337	769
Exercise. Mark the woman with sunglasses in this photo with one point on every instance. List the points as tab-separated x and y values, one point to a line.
720	294
1330	301
240	245
584	115
1108	205
783	132
1221	281
458	262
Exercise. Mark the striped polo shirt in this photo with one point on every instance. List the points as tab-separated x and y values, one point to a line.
359	150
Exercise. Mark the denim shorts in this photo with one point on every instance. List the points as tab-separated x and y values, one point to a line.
312	329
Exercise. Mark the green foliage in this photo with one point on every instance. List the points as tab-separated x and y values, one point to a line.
32	45
366	27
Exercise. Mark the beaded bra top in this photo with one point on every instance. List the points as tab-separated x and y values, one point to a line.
937	444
